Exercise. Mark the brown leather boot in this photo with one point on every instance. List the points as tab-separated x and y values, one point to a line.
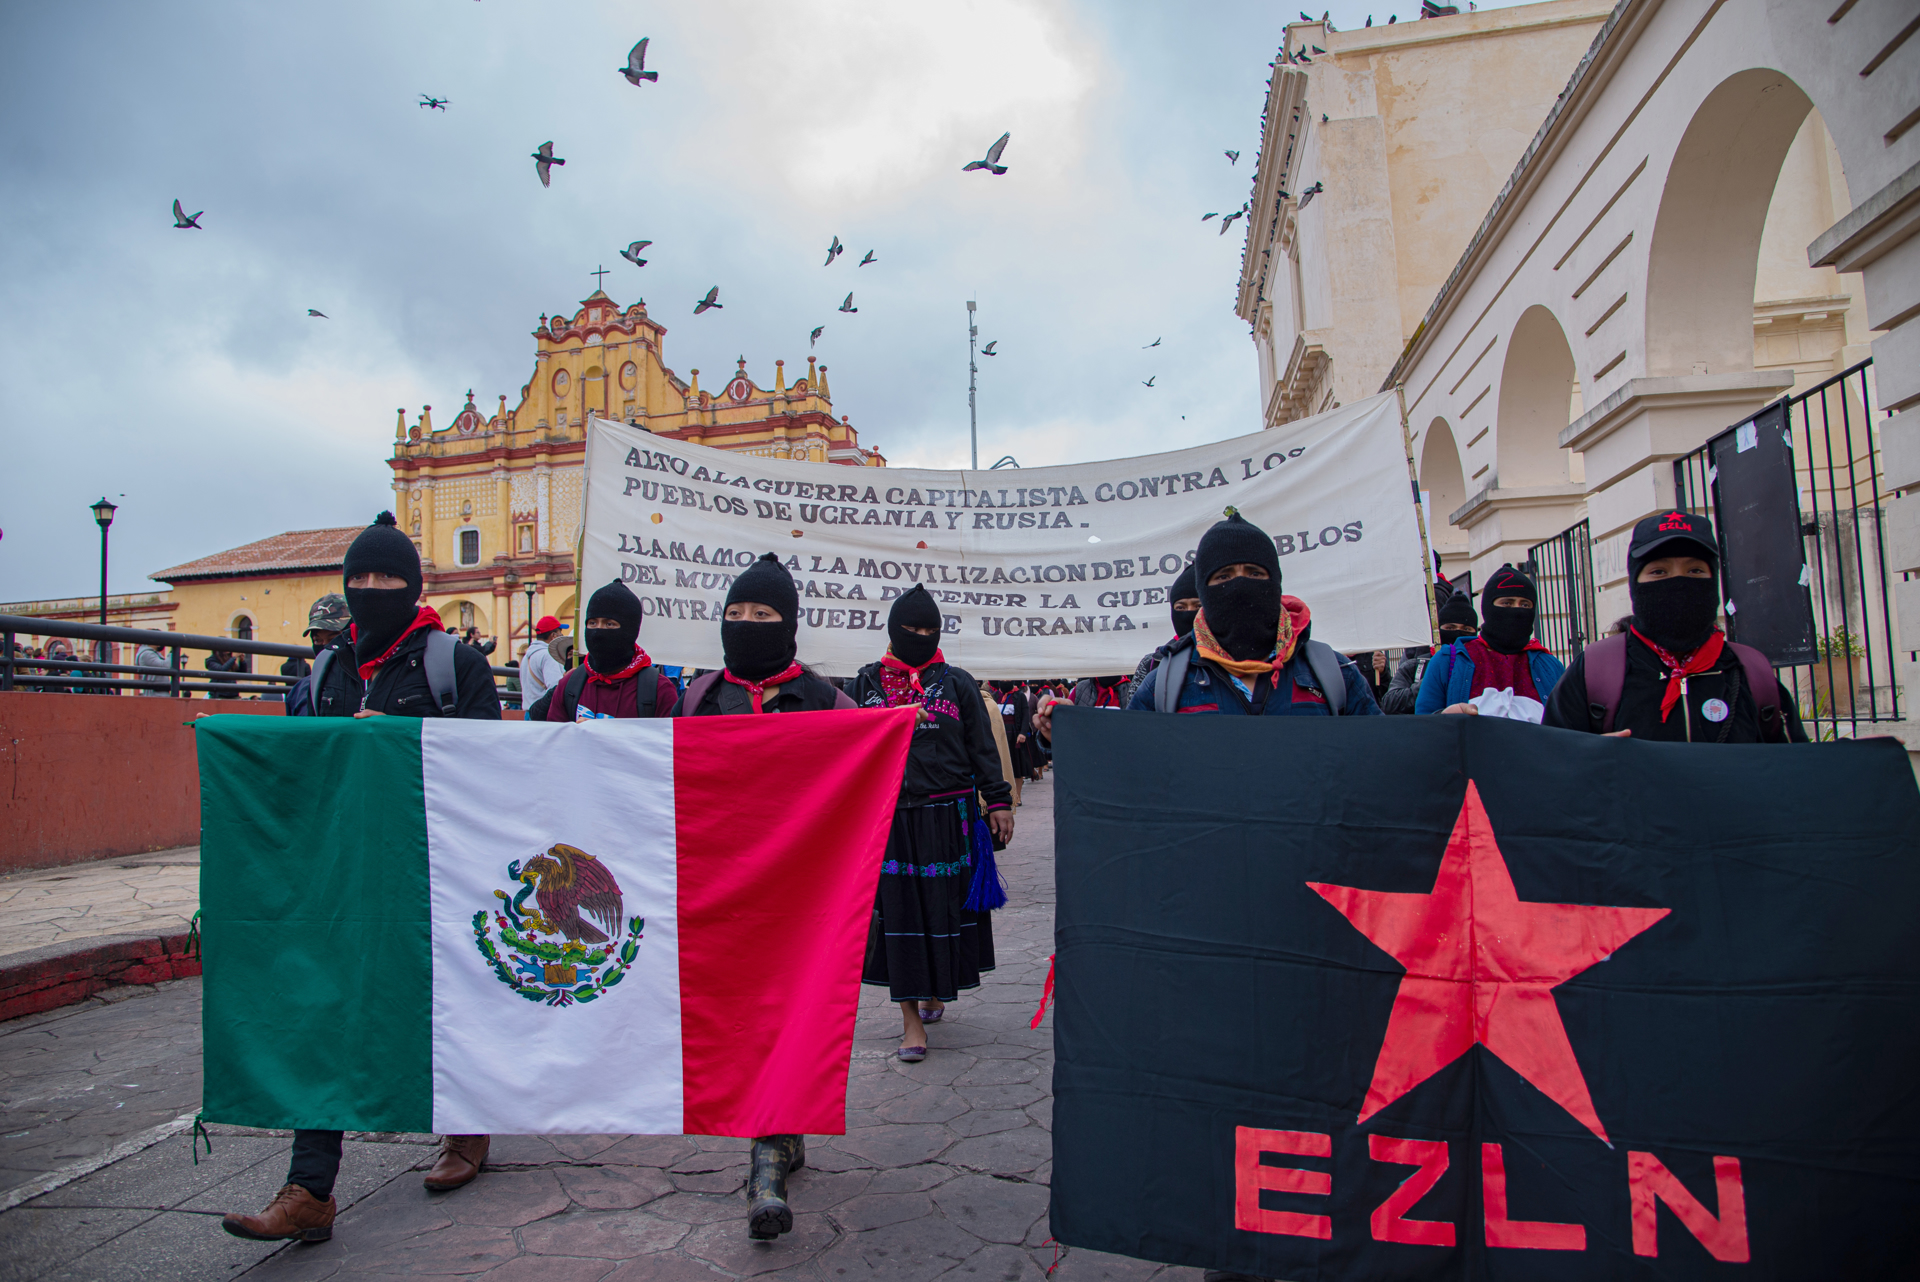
461	1157
294	1213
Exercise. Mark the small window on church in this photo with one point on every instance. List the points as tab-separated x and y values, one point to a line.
525	538
469	547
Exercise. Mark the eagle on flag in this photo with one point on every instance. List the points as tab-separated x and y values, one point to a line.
567	879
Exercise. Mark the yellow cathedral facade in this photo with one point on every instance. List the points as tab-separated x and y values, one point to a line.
493	500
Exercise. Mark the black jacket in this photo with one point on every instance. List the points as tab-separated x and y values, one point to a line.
809	692
958	750
1569	707
1405	688
399	687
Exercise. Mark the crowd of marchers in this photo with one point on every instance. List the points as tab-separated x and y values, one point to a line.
1240	647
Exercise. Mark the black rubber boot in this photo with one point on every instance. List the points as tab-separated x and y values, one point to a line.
774	1158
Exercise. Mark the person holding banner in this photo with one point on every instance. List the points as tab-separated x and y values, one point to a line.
932	933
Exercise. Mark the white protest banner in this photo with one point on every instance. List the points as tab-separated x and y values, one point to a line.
1044	571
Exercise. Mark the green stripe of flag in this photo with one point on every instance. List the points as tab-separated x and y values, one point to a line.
314	910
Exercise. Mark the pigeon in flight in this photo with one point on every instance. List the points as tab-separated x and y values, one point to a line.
1154	343
1214	214
636	69
437	104
180	218
1233	157
815	336
1149	382
1228	220
711	300
992	162
544	160
632	252
848	306
1316	48
988	349
1306	197
868	259
321	315
834	251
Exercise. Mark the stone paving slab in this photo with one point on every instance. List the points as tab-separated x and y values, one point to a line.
942	1173
155	894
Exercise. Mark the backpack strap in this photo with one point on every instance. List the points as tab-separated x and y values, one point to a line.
1324	661
316	681
1170	678
1765	687
697	692
1605	663
572	686
439	665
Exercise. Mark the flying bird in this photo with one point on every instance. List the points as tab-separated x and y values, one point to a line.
636	69
868	259
1154	343
180	218
1149	382
437	104
1306	197
834	251
992	162
321	315
988	349
1214	214
848	306
544	160
632	252
815	336
1228	220
711	300
1316	48
1233	157
567	880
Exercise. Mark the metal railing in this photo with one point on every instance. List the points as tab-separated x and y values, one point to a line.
1566	620
1848	675
98	676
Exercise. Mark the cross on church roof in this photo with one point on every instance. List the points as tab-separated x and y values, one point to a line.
599	275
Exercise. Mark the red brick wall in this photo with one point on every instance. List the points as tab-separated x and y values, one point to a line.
91	777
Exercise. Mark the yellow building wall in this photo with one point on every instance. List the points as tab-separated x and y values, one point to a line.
277	605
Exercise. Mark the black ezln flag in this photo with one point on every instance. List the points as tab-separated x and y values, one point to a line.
1449	997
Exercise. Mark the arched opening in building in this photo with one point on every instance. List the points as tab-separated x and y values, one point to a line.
1536	404
241	629
1704	255
1445	486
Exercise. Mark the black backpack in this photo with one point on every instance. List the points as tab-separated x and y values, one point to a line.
574	684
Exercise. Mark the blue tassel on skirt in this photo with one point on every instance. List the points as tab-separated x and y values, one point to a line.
988	892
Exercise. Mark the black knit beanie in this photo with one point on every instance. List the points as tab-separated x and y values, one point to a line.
767	583
1234	541
1183	589
382	549
914	608
1458	609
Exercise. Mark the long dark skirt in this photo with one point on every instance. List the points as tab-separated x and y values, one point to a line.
924	944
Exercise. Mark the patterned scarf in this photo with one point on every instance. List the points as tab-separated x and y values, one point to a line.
1210	649
900	683
640	660
427	618
1677	671
758	688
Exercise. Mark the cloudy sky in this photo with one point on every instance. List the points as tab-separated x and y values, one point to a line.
179	374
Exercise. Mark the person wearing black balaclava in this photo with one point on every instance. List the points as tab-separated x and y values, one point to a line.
1183	602
618	679
1457	622
376	669
759	639
1250	645
1673	676
925	944
1504	657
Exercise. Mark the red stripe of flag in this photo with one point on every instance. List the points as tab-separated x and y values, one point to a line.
782	824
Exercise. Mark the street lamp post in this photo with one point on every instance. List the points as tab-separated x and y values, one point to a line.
973	368
103	512
529	614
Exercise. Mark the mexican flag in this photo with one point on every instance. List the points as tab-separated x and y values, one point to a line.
631	927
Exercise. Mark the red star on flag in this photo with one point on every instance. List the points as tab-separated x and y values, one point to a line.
1481	968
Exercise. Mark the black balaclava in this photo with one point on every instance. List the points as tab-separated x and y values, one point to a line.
380	615
611	649
1458	610
1507	628
915	608
756	651
1676	613
1243	613
1181	590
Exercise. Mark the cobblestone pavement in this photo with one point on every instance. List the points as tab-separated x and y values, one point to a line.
140	894
942	1173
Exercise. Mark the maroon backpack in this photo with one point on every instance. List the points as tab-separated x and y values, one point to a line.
1606	673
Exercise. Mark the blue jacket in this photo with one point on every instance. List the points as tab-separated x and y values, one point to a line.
1450	676
1203	692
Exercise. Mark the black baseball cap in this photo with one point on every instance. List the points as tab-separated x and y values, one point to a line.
1656	534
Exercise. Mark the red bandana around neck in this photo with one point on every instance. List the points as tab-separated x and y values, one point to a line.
1705	657
895	663
759	688
427	618
640	660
